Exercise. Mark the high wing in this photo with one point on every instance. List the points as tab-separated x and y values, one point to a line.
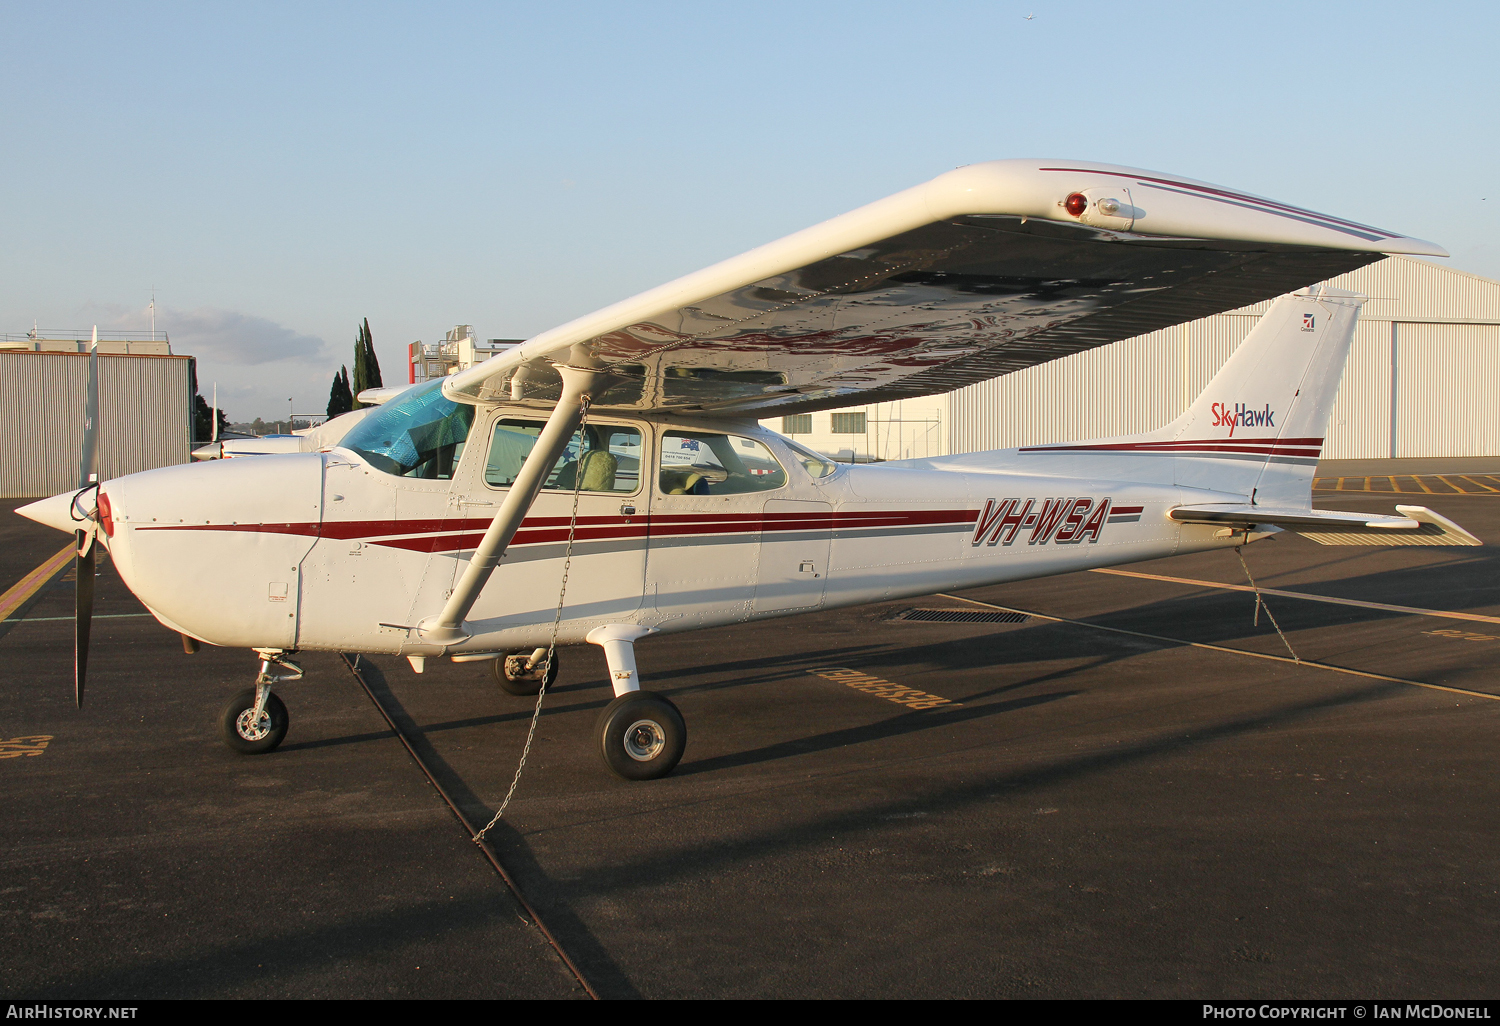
982	271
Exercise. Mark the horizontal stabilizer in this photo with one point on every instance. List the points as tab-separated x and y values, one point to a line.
1417	525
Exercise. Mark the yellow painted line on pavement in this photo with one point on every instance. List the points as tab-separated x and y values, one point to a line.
1462	484
70	619
1225	648
1464	635
881	688
18	747
32	583
1383	606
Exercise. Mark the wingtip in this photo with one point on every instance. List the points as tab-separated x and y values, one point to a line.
1417	247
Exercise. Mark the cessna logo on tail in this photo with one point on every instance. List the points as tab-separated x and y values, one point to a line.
1064	521
1242	416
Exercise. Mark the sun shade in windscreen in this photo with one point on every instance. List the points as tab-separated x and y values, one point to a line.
421	434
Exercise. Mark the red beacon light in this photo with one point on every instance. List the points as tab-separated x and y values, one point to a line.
106	516
1076	204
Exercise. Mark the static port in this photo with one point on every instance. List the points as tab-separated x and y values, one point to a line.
1076	204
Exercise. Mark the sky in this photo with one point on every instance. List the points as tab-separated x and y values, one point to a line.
279	172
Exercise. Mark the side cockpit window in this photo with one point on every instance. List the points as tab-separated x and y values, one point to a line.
708	463
601	458
418	434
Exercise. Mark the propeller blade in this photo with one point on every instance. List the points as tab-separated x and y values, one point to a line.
88	461
83	563
83	610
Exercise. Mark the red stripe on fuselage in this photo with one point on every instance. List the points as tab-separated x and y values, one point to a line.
1252	446
456	534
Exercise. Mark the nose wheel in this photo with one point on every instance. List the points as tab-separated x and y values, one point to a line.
250	733
641	735
255	720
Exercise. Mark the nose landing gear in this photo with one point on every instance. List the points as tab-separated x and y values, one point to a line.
255	720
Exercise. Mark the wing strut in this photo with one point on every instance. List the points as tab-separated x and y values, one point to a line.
447	628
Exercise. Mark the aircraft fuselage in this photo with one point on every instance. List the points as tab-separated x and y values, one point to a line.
323	550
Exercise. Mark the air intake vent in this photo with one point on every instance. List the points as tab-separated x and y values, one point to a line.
959	616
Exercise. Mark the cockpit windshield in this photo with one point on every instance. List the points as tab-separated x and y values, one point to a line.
419	434
816	465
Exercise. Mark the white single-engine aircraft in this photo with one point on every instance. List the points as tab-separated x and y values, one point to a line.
440	523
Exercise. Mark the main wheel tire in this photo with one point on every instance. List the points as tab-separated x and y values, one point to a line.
641	736
261	736
512	676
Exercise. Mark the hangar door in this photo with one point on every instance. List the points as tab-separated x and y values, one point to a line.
1443	393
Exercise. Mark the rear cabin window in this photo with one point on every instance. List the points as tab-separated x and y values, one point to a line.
607	456
707	463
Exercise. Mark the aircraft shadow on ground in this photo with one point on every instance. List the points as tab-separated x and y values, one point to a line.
294	954
699	860
213	972
1218	617
896	726
575	937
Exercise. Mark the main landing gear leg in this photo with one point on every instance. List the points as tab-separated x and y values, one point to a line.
641	734
255	720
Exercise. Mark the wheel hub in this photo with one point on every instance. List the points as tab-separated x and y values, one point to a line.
644	740
253	728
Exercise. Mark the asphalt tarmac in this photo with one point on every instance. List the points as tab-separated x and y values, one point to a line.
1095	814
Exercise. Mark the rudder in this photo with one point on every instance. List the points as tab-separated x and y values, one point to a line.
1257	430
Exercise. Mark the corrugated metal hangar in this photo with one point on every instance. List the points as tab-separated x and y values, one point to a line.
145	410
1420	381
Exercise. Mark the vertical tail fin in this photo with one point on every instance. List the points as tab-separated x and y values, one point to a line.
1258	428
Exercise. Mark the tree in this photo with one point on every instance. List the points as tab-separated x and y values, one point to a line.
203	414
340	397
366	365
203	421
